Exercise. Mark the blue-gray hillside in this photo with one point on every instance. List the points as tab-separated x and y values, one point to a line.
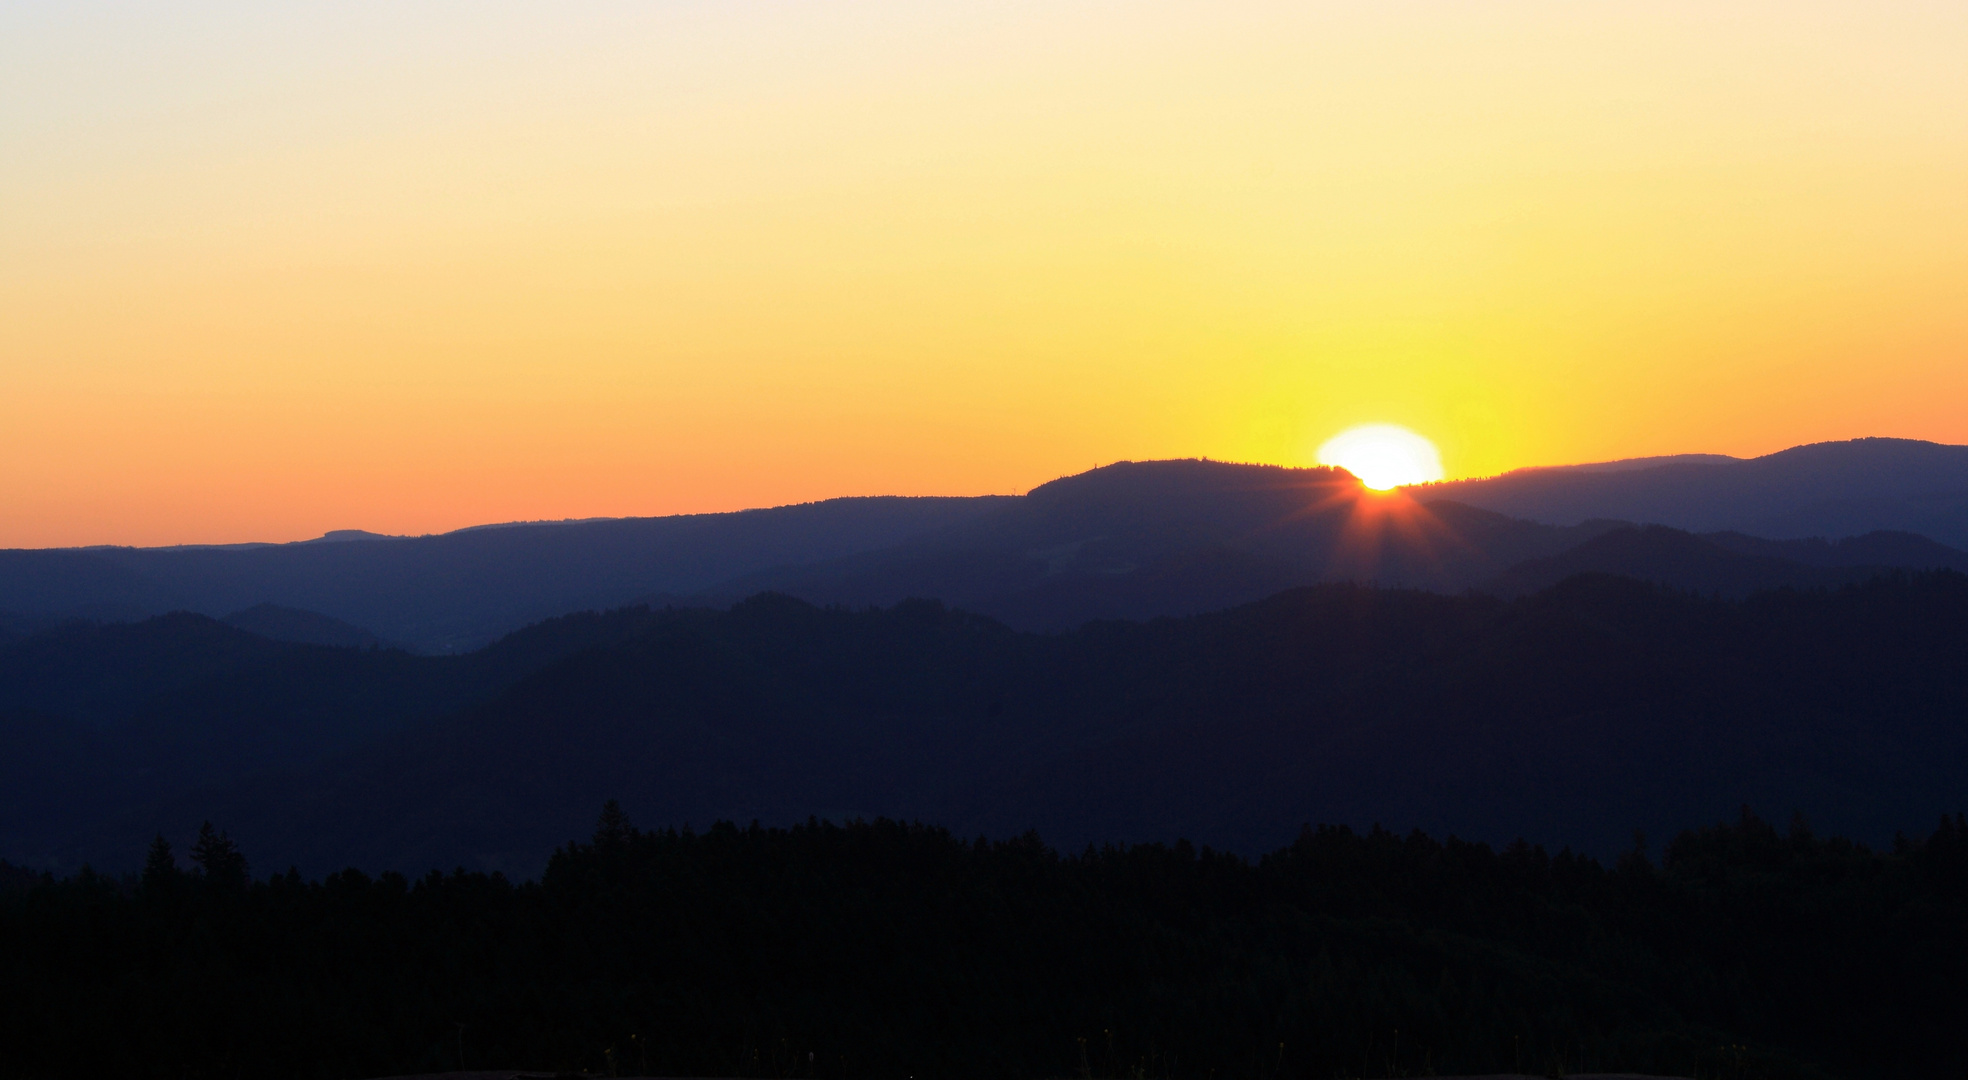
1833	489
1139	540
1132	540
463	589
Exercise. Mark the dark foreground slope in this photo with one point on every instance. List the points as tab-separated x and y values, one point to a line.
1577	715
878	950
99	724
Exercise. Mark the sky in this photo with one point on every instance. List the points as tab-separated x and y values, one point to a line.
268	270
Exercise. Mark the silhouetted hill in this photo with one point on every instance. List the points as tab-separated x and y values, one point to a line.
98	721
344	536
1576	714
98	673
75	584
14	627
301	627
1143	539
1835	489
1132	540
1882	548
1680	560
460	590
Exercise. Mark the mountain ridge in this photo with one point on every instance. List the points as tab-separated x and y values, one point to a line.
1576	714
1829	489
1128	540
459	590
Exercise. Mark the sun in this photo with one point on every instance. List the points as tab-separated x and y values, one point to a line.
1383	456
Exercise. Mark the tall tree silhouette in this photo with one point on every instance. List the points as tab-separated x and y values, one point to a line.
614	827
160	870
219	858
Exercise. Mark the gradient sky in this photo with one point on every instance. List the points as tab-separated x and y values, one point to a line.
272	269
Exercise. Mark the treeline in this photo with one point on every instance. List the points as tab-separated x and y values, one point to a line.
884	949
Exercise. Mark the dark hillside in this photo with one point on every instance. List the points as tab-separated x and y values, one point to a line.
1880	548
94	673
97	722
14	627
1577	714
302	627
1700	564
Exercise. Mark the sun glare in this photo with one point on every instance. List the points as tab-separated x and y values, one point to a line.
1383	456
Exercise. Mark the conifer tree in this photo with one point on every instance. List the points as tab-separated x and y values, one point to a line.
614	828
219	858
160	866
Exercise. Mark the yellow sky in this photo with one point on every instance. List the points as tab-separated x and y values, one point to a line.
267	270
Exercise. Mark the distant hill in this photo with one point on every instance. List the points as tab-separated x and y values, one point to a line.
1144	539
1131	540
1576	714
14	627
1703	564
344	536
301	627
98	722
1873	549
461	590
1833	490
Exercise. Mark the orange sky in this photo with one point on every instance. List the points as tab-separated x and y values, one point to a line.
271	270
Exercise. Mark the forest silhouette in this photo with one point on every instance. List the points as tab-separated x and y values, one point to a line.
888	949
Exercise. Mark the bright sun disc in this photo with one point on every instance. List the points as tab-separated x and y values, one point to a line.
1383	456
